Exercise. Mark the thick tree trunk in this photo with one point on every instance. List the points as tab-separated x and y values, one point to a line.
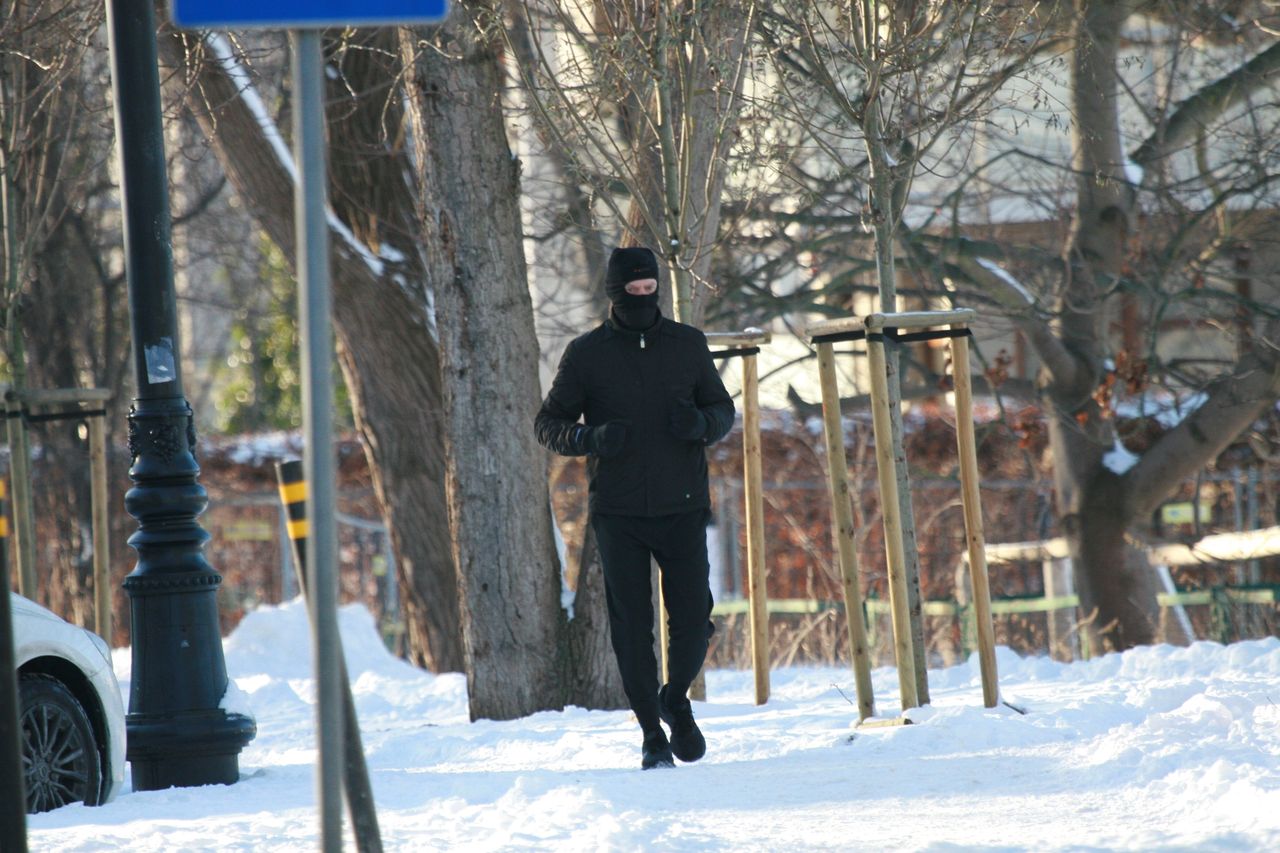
508	572
392	371
1098	506
1116	597
389	359
387	347
1117	592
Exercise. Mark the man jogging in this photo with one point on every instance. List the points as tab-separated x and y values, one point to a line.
651	401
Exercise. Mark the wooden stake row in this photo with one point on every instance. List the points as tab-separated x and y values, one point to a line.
875	329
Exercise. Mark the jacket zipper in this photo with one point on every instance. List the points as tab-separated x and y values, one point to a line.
642	340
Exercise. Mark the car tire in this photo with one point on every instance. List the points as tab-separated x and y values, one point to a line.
59	754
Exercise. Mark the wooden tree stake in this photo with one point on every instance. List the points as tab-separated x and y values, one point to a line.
842	516
972	502
754	499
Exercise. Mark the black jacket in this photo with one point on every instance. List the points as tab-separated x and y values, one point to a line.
614	373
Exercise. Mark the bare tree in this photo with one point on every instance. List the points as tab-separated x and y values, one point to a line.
435	327
1162	223
640	101
389	356
636	106
1160	227
56	242
895	80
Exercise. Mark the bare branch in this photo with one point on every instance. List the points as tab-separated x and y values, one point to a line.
1193	115
1233	402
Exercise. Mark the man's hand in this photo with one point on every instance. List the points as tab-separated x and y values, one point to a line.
687	421
607	440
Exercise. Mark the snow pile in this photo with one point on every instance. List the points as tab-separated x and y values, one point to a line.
1159	747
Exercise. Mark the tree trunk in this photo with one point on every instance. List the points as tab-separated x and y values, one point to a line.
389	359
1118	598
1117	593
592	678
508	572
392	372
371	193
884	189
1097	505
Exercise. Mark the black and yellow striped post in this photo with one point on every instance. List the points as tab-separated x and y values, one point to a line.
360	802
13	811
293	494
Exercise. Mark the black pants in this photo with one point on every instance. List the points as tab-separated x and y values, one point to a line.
679	544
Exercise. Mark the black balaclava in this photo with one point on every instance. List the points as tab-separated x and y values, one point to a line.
632	264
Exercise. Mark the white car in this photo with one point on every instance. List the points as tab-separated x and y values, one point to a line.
73	731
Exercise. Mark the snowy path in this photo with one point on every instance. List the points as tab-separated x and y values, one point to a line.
1158	748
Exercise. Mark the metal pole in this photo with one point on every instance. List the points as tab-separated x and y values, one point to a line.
355	776
177	732
314	306
842	517
13	805
1254	577
287	580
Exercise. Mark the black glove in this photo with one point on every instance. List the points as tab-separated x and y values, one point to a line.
687	421
607	440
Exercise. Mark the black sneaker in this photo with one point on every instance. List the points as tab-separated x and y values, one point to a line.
687	741
656	751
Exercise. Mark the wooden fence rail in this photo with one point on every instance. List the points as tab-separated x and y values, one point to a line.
1219	598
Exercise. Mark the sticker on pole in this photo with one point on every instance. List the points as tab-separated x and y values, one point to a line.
303	14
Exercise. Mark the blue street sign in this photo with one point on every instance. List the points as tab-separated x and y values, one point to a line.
303	14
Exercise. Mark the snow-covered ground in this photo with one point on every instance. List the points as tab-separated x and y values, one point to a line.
1156	748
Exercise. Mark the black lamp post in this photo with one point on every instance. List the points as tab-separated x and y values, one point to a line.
177	733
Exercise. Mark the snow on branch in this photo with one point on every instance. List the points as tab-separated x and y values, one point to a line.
1005	289
226	57
1119	459
1005	276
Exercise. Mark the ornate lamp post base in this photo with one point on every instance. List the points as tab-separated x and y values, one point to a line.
187	748
178	733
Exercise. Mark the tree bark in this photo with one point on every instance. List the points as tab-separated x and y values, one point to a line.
592	678
508	572
387	347
1119	604
389	359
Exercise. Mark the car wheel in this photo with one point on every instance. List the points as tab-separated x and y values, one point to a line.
59	756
